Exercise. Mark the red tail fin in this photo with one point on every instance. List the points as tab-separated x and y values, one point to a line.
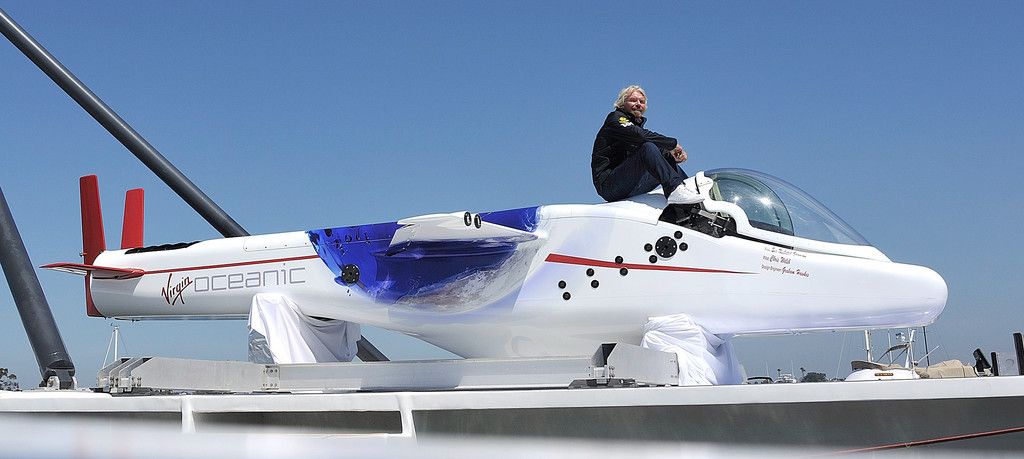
134	215
92	219
92	232
90	307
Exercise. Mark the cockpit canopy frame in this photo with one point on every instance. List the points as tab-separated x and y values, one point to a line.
770	209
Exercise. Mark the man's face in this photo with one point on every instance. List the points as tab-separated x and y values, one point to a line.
636	104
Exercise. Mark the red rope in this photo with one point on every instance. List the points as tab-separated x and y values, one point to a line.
929	441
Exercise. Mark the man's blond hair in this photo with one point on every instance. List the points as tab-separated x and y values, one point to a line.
621	101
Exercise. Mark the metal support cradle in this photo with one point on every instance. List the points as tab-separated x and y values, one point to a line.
612	365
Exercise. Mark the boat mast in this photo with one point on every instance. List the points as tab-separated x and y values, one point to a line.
115	339
927	360
867	344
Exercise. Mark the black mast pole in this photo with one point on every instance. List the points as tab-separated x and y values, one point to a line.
55	364
120	129
136	144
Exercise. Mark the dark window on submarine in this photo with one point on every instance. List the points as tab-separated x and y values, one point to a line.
763	207
772	204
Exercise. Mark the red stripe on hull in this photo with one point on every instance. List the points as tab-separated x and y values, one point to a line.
570	260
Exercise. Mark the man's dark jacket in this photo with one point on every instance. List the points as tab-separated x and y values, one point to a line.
620	136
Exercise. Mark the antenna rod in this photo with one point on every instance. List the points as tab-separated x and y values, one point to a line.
116	333
120	129
867	343
1018	347
927	360
55	364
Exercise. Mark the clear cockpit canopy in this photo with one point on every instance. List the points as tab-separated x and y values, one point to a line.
772	204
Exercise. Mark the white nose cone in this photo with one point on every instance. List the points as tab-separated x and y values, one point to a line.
934	293
918	292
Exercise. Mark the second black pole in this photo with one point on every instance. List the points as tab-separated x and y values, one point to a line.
43	335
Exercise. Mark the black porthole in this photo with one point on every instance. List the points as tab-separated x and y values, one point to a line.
561	284
665	247
350	274
328	232
683	246
467	218
648	247
566	296
623	271
618	260
477	222
590	272
678	234
594	283
653	259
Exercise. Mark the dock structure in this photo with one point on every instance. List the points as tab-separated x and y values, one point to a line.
621	393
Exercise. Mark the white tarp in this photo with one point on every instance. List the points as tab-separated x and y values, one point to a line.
280	333
704	358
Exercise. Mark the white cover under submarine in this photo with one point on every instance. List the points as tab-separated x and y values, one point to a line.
759	256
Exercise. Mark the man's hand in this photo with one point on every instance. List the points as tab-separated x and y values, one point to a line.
678	154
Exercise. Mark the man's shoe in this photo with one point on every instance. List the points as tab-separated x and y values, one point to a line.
682	195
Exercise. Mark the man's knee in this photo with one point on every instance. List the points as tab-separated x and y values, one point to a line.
651	153
649	147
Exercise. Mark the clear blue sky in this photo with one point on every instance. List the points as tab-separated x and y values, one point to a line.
907	119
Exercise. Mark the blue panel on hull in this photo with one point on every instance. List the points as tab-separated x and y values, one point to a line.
420	267
524	219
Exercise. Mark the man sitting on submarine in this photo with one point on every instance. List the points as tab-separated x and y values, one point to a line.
629	160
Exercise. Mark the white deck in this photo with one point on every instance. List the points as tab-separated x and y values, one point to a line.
835	415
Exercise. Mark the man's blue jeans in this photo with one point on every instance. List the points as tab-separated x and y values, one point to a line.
640	173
